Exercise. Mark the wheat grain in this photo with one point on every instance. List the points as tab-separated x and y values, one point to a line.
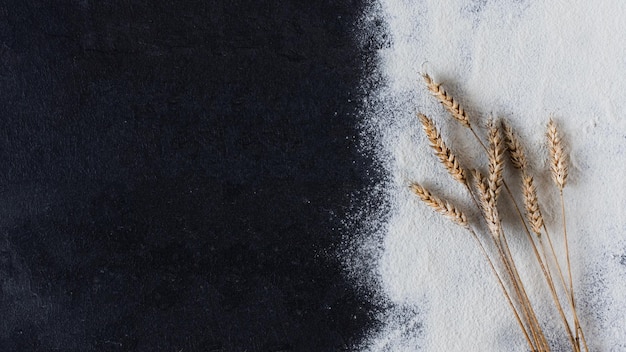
559	169
441	206
558	158
445	155
447	100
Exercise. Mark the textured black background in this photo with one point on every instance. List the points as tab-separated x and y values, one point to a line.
173	175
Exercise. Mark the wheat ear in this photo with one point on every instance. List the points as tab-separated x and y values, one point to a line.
533	213
487	203
445	155
439	205
496	160
516	151
519	161
558	158
447	100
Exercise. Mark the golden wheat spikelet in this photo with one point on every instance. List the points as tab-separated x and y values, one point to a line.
447	100
445	155
533	213
439	205
487	203
496	160
558	158
516	151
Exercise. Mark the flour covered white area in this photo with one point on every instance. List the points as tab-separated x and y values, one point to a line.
522	61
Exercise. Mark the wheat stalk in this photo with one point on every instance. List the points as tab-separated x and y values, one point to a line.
559	168
445	155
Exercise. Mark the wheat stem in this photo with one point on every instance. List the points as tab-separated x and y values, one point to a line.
569	270
555	298
565	288
569	267
524	296
504	290
536	220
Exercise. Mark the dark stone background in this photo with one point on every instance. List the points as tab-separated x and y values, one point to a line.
173	175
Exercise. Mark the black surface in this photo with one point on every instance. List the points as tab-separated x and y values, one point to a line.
174	175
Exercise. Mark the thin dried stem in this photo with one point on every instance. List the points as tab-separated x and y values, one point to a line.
503	246
557	264
569	267
555	298
504	290
565	287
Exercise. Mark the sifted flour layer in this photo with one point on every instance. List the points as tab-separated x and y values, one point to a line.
522	61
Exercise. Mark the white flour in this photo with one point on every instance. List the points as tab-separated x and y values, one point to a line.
519	60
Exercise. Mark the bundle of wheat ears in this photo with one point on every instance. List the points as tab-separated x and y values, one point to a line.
484	190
